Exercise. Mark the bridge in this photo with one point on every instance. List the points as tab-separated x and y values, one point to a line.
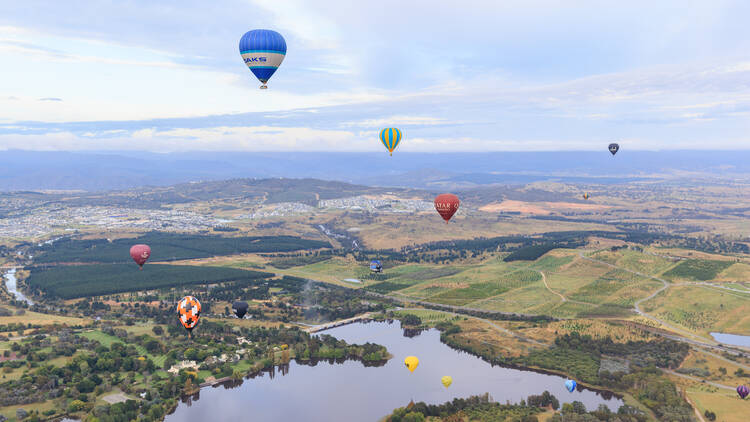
315	328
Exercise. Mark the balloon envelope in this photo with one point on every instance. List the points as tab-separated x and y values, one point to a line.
390	137
613	148
570	385
376	266
446	205
189	311
140	254
586	195
411	363
447	381
239	308
743	391
262	50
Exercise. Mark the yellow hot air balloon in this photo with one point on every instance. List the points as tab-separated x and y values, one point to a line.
411	363
447	381
390	137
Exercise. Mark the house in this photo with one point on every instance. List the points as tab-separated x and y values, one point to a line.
185	364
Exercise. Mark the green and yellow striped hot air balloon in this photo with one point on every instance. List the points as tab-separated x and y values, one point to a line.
390	137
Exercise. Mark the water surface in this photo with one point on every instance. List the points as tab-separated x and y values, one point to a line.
12	285
349	391
733	339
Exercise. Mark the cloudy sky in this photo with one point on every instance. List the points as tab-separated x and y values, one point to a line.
468	76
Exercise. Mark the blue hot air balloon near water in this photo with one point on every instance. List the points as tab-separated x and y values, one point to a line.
570	385
263	51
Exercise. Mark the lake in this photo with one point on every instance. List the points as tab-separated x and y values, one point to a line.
12	285
349	391
732	339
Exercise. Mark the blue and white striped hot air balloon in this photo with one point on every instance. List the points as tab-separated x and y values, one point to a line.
263	51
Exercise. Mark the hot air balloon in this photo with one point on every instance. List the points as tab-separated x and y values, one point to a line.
263	51
189	311
570	385
390	137
411	363
743	391
140	254
446	205
613	148
239	308
375	266
447	381
586	195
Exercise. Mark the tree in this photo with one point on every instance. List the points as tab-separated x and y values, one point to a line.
158	330
579	407
76	406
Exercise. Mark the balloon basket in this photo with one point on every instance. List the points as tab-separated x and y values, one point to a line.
263	87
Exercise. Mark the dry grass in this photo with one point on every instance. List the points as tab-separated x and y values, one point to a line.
36	318
620	333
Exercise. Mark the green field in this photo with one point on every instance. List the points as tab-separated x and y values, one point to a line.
697	270
464	295
100	279
106	340
703	309
635	261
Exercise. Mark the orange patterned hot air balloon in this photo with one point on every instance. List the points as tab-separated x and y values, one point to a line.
447	205
189	311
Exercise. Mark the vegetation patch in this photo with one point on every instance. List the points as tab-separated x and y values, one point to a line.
74	281
468	294
386	287
432	273
529	253
168	247
697	269
298	261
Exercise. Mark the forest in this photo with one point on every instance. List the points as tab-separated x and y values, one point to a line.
167	247
73	281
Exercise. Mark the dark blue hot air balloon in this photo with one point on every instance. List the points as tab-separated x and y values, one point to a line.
743	391
570	385
263	51
375	266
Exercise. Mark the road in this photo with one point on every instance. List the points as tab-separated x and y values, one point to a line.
544	280
564	299
700	380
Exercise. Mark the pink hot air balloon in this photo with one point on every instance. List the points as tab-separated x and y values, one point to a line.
140	254
743	391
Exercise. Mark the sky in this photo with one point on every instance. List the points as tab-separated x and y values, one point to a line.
526	75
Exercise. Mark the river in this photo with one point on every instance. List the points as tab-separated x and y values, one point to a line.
12	285
349	391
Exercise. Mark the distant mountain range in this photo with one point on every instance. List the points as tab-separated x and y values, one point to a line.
99	171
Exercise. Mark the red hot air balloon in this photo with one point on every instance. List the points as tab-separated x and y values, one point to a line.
743	391
140	254
447	205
